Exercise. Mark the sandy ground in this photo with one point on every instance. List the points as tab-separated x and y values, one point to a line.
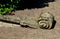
18	32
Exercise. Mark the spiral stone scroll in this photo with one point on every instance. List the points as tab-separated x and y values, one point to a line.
46	20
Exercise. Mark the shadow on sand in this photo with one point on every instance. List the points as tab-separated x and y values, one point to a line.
33	4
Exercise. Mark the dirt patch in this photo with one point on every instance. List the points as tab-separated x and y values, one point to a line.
29	33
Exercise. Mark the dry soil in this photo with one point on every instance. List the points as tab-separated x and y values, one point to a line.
15	31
